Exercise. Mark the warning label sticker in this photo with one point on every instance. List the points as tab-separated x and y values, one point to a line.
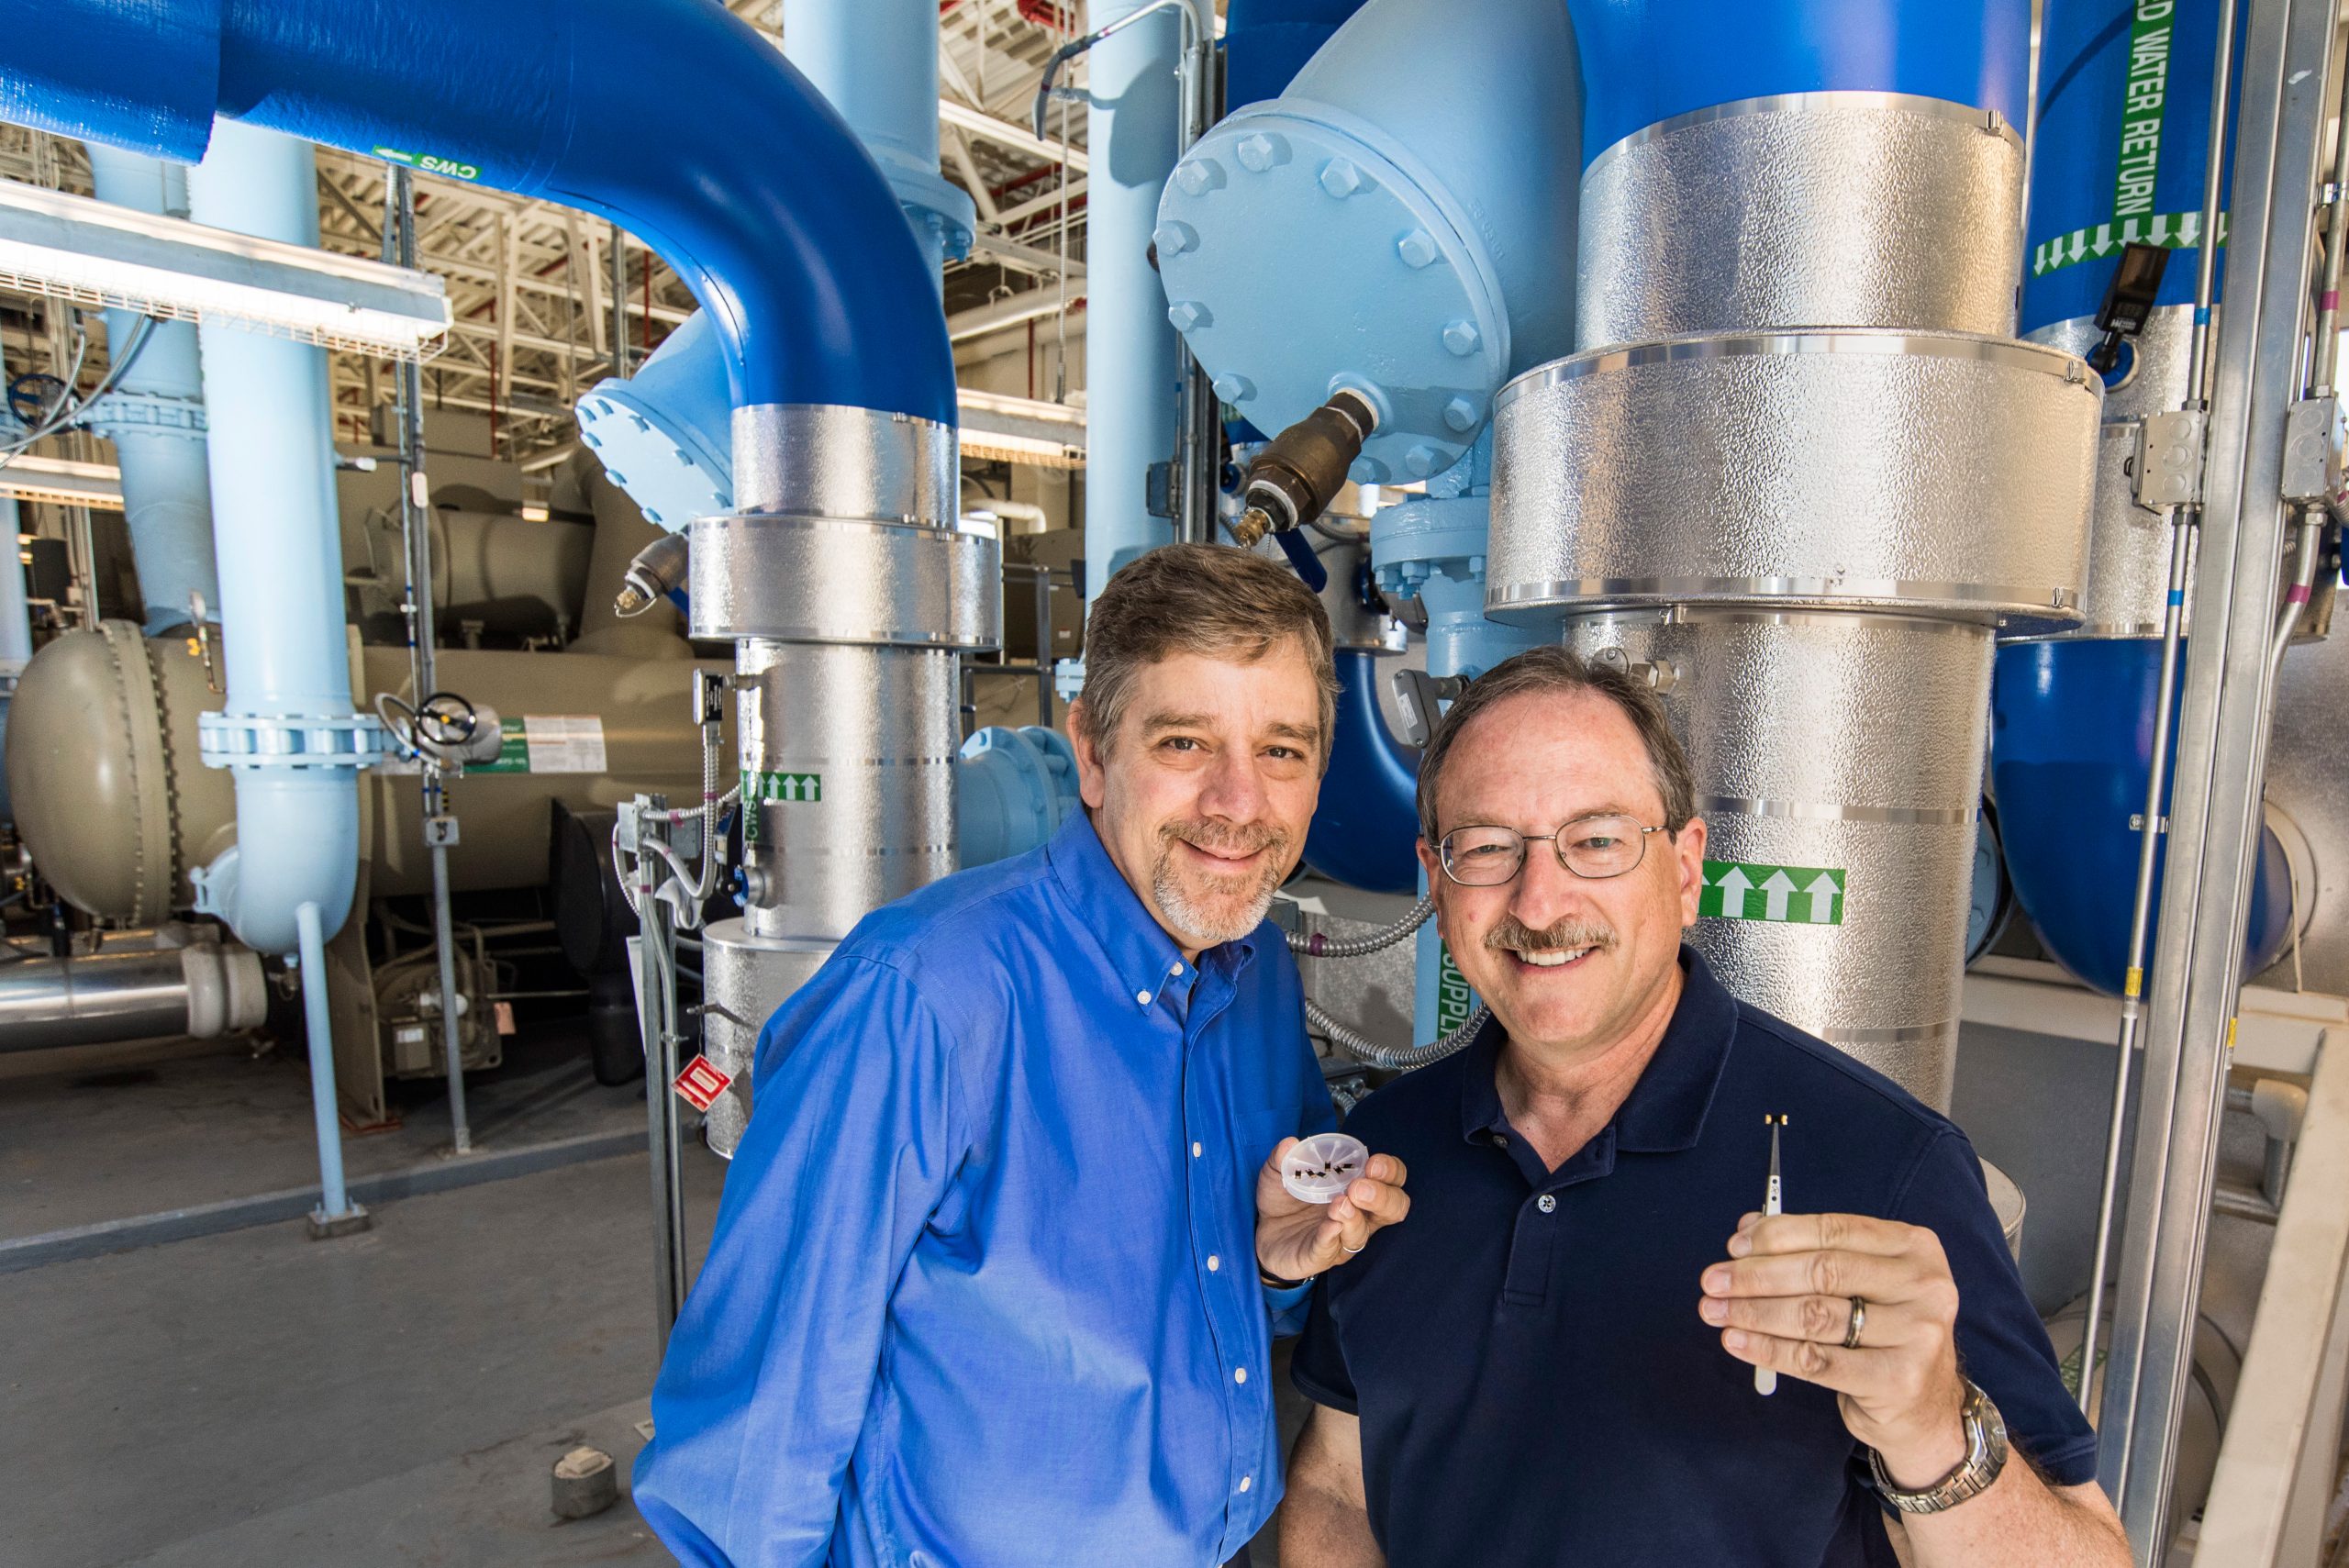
548	744
1787	896
701	1083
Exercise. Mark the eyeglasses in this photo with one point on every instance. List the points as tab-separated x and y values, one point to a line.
1594	847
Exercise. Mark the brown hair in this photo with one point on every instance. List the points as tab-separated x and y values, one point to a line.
1208	599
1558	670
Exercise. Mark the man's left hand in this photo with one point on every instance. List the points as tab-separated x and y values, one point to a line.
1784	1301
1296	1240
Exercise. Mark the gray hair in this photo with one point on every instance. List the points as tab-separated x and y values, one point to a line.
1557	670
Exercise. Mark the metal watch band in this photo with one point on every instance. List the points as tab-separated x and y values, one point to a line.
1986	1455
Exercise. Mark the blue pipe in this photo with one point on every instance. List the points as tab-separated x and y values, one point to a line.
156	419
15	633
1266	42
1134	377
759	196
663	434
1012	789
876	62
334	1198
1645	60
2071	747
280	552
1368	821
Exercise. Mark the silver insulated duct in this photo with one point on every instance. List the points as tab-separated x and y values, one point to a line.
1800	471
849	589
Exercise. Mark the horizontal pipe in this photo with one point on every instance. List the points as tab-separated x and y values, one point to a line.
201	991
760	198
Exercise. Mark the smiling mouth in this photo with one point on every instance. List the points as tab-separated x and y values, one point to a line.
1552	958
1220	858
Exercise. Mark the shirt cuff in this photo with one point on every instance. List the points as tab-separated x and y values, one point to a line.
1287	1307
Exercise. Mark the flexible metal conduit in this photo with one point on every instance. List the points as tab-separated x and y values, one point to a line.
1320	946
1362	1048
760	197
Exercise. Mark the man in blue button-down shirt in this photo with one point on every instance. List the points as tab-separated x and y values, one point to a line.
1002	1254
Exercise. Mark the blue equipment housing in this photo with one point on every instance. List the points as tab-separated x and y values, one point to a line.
2101	174
1363	831
1645	60
2071	725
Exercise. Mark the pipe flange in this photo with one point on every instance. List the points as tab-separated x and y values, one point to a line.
784	578
119	414
291	740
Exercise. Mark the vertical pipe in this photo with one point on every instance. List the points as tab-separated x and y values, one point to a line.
156	418
335	1212
16	634
655	974
1133	397
280	553
619	303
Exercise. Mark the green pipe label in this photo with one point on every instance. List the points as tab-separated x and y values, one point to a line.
2176	230
2143	95
426	163
761	786
1781	896
1453	1000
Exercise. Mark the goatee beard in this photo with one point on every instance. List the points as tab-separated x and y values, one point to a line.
1176	903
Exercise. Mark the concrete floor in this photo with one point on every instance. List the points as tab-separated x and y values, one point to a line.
394	1399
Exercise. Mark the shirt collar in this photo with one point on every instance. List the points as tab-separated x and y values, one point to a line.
1141	955
1665	1109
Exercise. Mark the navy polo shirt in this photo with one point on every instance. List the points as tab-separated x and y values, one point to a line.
1524	1351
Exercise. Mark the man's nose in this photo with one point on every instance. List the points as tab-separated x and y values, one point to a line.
1233	789
1545	892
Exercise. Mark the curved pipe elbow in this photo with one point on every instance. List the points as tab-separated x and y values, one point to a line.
1368	820
762	197
297	842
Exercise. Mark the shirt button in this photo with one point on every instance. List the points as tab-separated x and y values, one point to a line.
1545	1203
1246	1481
1239	1374
1176	971
1143	998
1214	1263
1500	1141
1196	1149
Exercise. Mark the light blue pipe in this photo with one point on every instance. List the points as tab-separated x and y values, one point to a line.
334	1198
280	552
1012	788
876	62
1432	549
155	418
16	632
759	196
663	434
1133	381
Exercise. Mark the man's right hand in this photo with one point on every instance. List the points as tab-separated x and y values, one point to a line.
1296	1240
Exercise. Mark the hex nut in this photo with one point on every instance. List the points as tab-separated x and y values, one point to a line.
1462	338
1418	248
1187	315
1341	179
1459	415
1174	237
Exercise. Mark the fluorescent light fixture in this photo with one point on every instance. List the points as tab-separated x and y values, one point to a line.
63	480
1021	429
534	512
69	247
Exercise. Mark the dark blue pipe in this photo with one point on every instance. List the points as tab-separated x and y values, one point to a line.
673	117
1368	819
1644	61
2071	747
1266	42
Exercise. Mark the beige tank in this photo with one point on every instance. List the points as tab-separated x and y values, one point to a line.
117	809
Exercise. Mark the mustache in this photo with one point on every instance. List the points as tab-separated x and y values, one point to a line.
1513	935
1223	838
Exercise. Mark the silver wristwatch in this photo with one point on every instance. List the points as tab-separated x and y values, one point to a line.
1986	1455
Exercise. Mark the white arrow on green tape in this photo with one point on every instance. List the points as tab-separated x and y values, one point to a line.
1791	895
2175	230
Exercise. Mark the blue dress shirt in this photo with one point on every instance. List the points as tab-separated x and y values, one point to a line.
983	1290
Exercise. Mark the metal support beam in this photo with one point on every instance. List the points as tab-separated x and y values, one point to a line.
2222	742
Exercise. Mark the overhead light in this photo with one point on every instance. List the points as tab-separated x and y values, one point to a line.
62	480
534	512
69	247
1021	429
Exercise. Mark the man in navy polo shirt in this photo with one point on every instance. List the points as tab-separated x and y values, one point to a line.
1555	1362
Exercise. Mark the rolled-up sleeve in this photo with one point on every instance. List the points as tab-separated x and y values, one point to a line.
858	1130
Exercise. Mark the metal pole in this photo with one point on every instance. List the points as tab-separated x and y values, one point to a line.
655	967
1199	459
2184	527
415	532
336	1214
2222	734
619	302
